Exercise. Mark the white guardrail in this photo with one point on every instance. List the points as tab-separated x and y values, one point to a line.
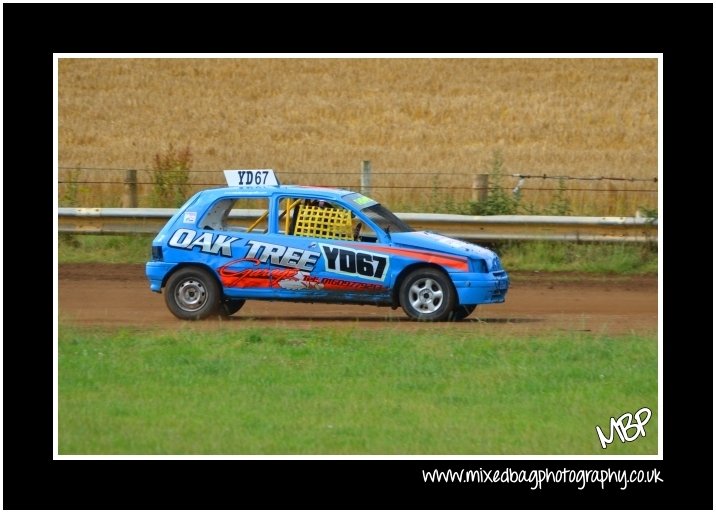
114	221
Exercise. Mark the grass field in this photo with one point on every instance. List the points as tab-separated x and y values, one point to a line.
336	391
430	123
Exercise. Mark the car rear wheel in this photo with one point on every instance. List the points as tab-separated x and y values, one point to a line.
462	312
427	295
230	306
192	293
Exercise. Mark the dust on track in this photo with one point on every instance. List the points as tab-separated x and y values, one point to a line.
118	295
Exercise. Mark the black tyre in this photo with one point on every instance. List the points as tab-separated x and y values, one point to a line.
427	295
462	312
230	307
192	293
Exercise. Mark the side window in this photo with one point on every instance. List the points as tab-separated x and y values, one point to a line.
366	234
319	219
237	215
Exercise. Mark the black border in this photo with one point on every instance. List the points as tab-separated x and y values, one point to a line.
32	480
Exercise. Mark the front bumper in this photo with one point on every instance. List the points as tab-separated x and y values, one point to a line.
156	271
481	288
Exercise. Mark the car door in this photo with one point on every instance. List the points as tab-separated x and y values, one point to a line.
343	272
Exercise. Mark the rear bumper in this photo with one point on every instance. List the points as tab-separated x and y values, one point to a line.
481	288
156	271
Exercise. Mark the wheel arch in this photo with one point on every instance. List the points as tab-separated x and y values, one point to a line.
395	295
184	265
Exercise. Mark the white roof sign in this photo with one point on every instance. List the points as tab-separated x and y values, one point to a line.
250	177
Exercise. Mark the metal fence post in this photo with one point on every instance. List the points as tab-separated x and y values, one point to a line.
129	198
365	171
480	185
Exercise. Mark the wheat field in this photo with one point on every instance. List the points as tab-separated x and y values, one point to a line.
427	125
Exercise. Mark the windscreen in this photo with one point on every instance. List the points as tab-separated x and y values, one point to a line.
385	219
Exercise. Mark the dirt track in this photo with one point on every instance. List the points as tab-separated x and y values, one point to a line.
114	295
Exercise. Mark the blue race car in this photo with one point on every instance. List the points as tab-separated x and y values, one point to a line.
257	239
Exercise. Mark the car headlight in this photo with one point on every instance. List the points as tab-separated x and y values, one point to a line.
496	264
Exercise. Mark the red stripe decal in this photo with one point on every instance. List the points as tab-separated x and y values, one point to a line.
459	263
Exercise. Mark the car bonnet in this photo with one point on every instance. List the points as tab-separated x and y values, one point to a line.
436	242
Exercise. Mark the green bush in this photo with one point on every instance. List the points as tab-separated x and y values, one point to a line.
498	202
170	177
501	201
559	206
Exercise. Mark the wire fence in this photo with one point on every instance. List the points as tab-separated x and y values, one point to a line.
455	192
383	173
389	187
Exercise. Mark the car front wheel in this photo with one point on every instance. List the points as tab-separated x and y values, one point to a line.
427	295
192	293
